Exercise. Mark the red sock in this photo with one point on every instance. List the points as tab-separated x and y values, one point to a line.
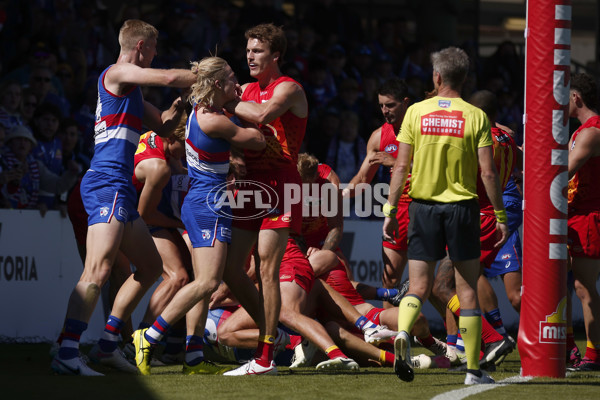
592	354
295	340
264	351
334	352
428	341
488	333
388	358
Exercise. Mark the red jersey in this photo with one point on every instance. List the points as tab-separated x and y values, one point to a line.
389	144
150	146
584	191
505	158
314	225
284	135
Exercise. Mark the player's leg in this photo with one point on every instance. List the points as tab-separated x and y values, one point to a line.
102	247
356	348
394	262
139	248
293	299
208	264
322	261
176	262
512	284
271	247
469	321
586	271
234	274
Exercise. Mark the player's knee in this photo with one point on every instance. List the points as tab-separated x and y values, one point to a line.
515	300
179	280
440	291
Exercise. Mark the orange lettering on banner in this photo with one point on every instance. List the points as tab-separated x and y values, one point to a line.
443	123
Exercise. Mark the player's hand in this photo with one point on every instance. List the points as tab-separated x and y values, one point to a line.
382	158
502	233
390	229
219	296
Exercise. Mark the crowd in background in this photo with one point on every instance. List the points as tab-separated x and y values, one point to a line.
52	51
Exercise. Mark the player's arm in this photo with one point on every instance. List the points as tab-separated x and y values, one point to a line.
335	223
287	96
247	137
491	182
367	170
399	176
155	173
123	75
163	123
587	145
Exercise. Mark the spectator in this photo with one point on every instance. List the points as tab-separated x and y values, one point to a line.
41	86
46	121
10	100
28	175
347	149
27	106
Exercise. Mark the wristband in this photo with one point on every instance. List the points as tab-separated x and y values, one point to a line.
389	210
501	216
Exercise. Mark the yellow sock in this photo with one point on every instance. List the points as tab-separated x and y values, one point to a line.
331	348
382	357
593	345
408	312
268	339
469	326
453	304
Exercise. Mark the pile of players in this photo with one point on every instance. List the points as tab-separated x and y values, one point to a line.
253	289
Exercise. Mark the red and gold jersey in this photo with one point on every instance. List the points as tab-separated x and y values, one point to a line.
584	191
150	146
284	135
505	158
389	144
314	225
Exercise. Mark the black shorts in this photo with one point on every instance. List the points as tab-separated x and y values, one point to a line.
435	227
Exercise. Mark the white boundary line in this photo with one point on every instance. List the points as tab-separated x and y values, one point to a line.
475	389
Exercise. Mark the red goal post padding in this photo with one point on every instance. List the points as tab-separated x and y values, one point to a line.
542	329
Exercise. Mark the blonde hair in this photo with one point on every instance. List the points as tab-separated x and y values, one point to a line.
134	30
308	166
179	132
208	71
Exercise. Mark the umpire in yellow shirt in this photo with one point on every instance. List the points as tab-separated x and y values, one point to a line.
447	139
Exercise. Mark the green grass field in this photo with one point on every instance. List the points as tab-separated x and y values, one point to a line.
25	374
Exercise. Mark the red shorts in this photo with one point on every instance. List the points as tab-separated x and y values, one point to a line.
252	216
373	315
584	235
402	218
488	240
296	268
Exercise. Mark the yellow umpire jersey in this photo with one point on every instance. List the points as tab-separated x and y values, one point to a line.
445	134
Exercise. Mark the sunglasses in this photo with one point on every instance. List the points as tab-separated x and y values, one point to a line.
41	79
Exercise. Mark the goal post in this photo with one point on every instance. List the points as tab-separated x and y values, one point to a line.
542	329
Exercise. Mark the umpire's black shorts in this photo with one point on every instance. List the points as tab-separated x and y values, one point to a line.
435	227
